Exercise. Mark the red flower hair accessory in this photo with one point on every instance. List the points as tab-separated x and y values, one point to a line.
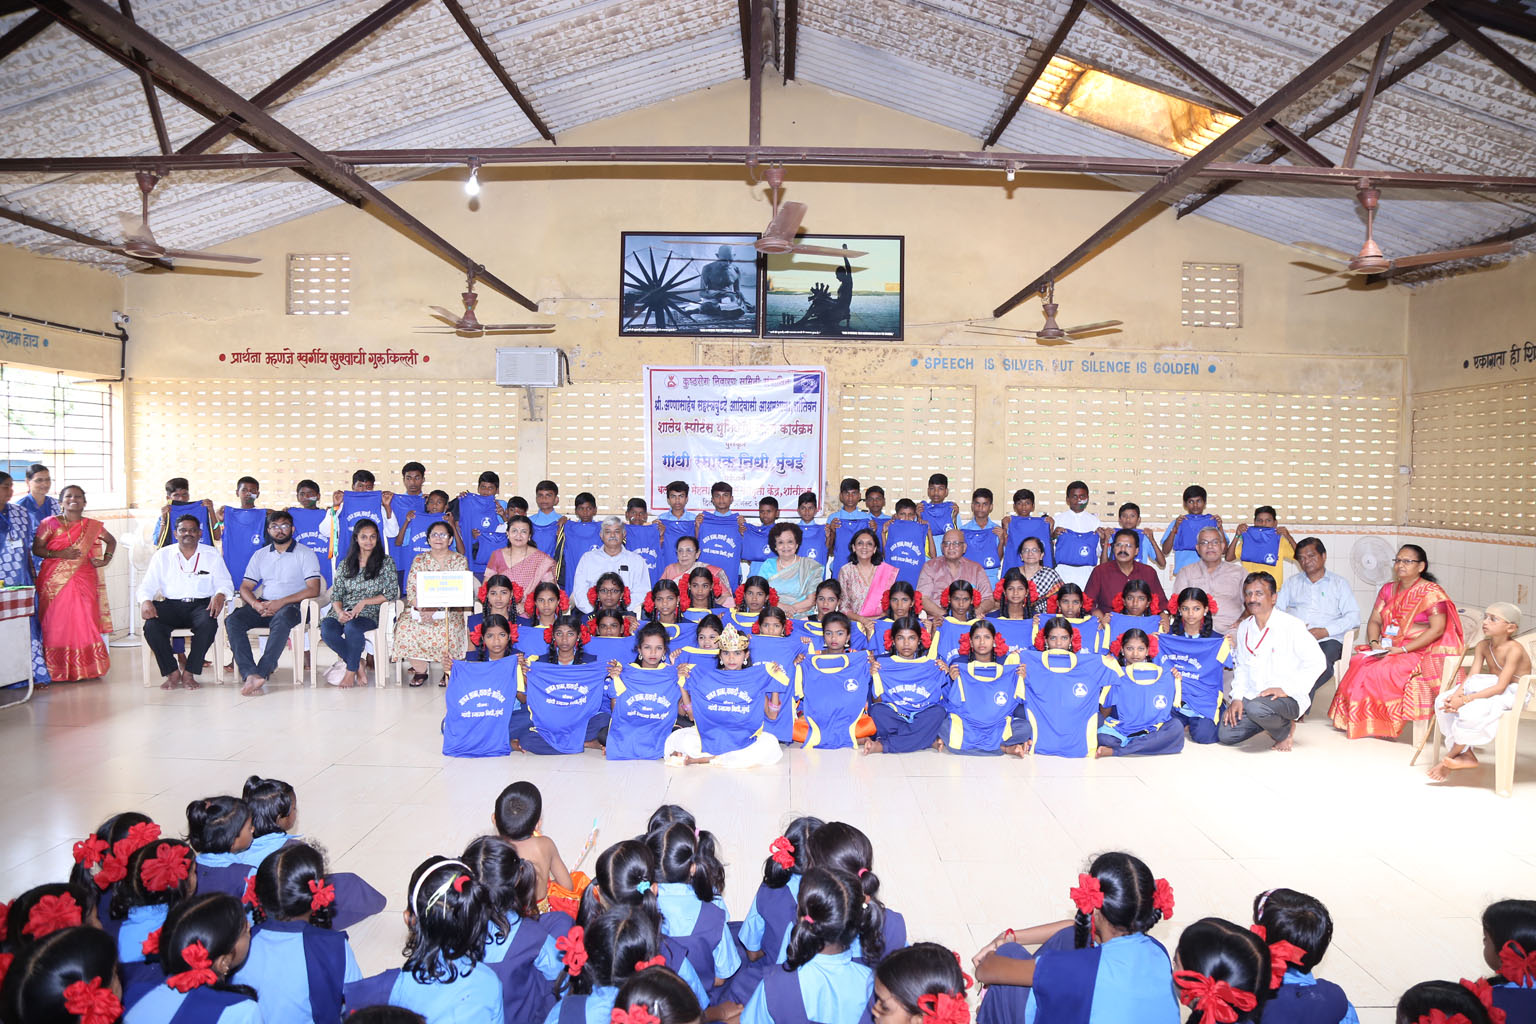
944	600
636	1014
1215	1001
592	595
572	945
1115	646
249	897
166	869
321	893
5	909
480	594
1034	591
476	635
138	837
1162	898
1154	605
90	850
565	601
969	981
719	586
113	869
773	597
649	604
51	914
511	632
1077	640
1484	993
740	594
1280	954
91	1002
200	969
965	646
944	1008
917	603
1210	605
757	627
1087	604
997	592
1515	964
549	634
6	959
1118	604
1439	1017
783	852
999	645
684	600
1050	605
151	944
588	630
528	606
655	961
1087	895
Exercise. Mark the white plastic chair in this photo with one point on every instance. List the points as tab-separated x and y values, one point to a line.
397	664
215	653
381	636
1504	749
309	618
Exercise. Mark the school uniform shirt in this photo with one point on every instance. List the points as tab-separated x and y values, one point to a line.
1129	978
474	997
136	928
645	702
175	577
1280	654
593	1008
1200	660
909	685
222	872
699	926
1143	699
521	957
629	566
1328	603
981	704
277	574
728	705
834	988
298	970
1517	1001
832	691
1303	999
1061	699
164	1005
771	916
562	699
1081	523
356	900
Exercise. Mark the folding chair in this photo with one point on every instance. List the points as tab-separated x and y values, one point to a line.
215	653
309	617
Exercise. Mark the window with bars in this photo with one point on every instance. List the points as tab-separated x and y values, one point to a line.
1474	459
1246	448
1212	295
64	424
215	431
319	284
597	444
896	435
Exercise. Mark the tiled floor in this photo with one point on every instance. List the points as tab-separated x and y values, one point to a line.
964	846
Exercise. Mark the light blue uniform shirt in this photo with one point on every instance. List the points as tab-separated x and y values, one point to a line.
1327	604
471	998
598	1007
753	926
279	973
160	1004
130	937
1134	983
679	908
278	574
835	988
1305	980
668	517
857	515
547	961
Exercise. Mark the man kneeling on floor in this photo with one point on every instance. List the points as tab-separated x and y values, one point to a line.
1276	660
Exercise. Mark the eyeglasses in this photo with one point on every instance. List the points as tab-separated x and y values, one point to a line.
1406	561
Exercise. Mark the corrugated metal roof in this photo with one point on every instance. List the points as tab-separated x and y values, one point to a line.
418	83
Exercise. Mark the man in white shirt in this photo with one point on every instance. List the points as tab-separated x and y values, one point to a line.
1077	519
612	557
192	585
1277	659
1321	599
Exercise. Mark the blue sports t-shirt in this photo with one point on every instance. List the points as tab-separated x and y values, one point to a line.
754	543
1184	540
672	531
645	541
910	685
813	541
833	690
1062	692
1019	633
728	705
681	633
1200	660
939	516
562	699
981	704
981	547
1077	548
244	531
1019	529
810	630
644	712
1143	698
842	536
480	696
720	544
907	546
1119	622
1261	545
946	639
780	651
576	540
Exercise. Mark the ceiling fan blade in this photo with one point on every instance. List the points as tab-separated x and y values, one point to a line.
1052	342
826	250
1324	251
517	327
1466	253
1090	328
439	311
786	222
218	257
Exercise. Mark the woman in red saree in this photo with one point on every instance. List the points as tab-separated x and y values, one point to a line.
1416	623
71	593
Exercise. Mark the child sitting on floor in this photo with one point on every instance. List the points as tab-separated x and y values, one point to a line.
1222	972
1138	705
518	817
1298	930
1509	947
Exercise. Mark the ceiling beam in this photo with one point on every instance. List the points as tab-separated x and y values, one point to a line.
754	73
791	37
150	97
1379	25
1200	73
1357	130
744	13
1054	44
38	224
1278	150
112	32
494	63
1491	51
23	33
809	156
288	80
1502	18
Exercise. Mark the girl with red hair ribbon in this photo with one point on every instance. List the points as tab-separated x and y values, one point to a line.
1065	684
1509	947
1298	930
909	688
1138	716
204	942
985	696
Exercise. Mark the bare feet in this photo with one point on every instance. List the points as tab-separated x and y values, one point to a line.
253	685
1462	761
172	681
697	760
871	746
1438	771
1284	746
1105	752
348	680
1017	749
938	745
190	681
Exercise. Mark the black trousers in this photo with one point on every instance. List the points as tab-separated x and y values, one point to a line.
1333	650
171	615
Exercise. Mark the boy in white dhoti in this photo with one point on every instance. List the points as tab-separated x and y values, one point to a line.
1469	712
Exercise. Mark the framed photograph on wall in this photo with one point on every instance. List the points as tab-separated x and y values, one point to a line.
687	284
857	297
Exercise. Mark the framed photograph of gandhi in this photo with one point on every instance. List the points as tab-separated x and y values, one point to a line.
854	296
688	284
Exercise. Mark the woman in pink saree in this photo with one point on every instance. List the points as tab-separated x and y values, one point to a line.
1416	623
71	593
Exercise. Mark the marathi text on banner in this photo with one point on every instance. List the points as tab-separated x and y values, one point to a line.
763	431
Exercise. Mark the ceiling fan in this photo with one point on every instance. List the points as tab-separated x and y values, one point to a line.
1052	333
779	236
1371	260
468	323
139	241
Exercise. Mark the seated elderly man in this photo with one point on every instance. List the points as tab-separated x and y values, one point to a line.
1321	599
1220	579
951	565
185	587
612	557
1275	661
